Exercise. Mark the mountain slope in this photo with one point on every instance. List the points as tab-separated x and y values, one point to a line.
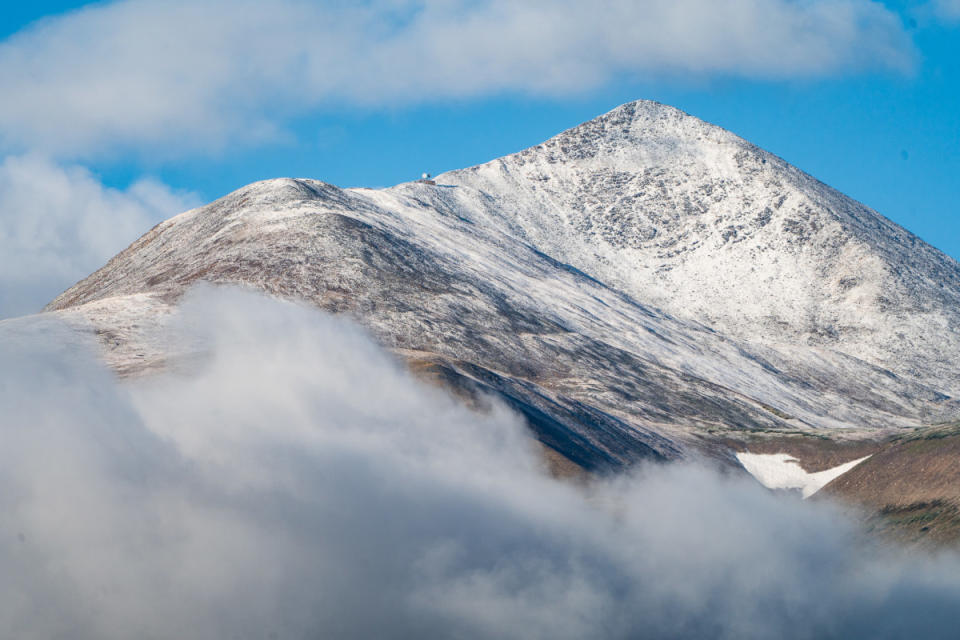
641	286
694	220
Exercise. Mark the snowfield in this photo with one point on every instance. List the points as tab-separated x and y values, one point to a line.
783	471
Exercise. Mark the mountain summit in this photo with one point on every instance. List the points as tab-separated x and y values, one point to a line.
644	285
694	220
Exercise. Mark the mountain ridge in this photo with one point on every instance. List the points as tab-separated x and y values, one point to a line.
862	254
497	285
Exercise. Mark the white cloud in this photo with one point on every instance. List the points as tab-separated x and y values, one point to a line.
301	484
947	9
187	75
59	223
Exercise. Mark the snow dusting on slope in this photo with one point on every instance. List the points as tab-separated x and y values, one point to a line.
632	286
694	220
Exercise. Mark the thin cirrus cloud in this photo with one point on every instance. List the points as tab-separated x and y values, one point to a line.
194	76
947	9
299	483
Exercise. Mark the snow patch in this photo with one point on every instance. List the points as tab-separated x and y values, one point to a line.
783	471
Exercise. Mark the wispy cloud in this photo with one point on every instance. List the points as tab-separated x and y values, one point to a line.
187	76
947	9
59	223
301	484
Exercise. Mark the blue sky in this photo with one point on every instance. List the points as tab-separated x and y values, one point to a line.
118	114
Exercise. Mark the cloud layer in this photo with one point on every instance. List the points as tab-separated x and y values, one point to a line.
59	223
947	9
185	76
301	484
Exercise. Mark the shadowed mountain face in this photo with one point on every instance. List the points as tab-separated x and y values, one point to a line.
643	286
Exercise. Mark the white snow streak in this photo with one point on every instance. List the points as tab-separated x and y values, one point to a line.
783	471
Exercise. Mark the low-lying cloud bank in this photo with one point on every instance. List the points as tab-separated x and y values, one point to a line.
182	76
301	484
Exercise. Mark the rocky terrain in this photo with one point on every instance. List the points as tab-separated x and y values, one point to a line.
642	286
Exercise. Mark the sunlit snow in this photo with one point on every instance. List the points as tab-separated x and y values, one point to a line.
783	471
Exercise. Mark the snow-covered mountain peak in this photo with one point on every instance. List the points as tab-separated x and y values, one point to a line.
642	131
644	134
634	286
702	223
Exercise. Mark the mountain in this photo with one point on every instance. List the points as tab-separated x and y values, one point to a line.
704	225
642	286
